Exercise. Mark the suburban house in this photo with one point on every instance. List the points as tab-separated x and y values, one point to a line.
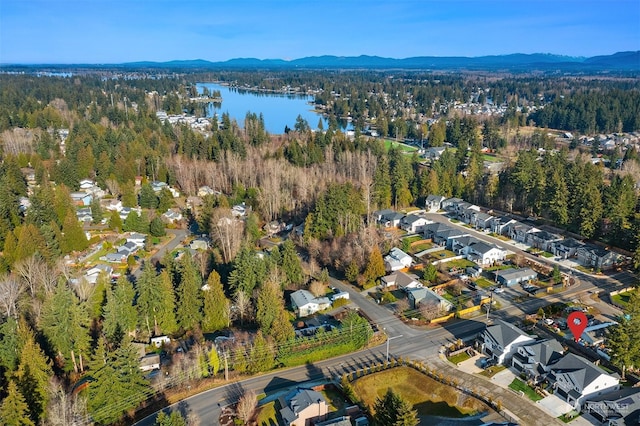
338	421
566	248
199	244
575	380
300	406
112	204
150	362
501	340
544	240
479	220
388	218
463	209
434	152
137	239
126	211
500	224
533	359
92	275
115	257
413	223
433	203
617	408
511	277
239	210
597	257
304	303
128	248
172	215
442	233
520	232
396	260
81	198
425	296
84	214
484	253
450	204
400	280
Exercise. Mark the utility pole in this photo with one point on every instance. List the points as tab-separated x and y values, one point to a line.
489	307
226	367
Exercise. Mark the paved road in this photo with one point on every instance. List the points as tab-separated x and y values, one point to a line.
403	340
178	236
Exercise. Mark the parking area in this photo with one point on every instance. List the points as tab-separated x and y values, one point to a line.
472	365
555	406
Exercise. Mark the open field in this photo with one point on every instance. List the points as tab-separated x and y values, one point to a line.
388	143
426	395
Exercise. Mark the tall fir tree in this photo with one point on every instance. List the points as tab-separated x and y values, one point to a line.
119	313
14	410
190	301
216	305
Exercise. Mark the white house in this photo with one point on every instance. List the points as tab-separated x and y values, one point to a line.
413	223
396	260
484	253
304	303
501	339
433	203
137	239
575	380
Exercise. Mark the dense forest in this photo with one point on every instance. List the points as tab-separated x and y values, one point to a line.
56	331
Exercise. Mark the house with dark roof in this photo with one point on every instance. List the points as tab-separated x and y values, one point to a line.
566	248
450	204
617	408
414	223
511	277
544	240
400	280
499	225
597	257
501	340
301	406
388	218
480	220
477	251
575	380
534	359
433	203
520	232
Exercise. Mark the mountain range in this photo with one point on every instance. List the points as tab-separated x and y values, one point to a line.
621	61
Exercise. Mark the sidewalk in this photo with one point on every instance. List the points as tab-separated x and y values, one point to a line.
523	411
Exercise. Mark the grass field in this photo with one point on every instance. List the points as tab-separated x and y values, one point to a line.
520	386
267	415
484	283
492	371
621	299
388	143
462	356
427	396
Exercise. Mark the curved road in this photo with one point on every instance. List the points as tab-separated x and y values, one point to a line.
403	340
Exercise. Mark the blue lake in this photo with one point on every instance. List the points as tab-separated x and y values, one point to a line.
279	110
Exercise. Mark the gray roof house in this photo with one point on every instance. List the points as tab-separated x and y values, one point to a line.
432	229
618	408
534	359
499	225
544	240
501	339
414	223
451	203
304	303
396	260
433	203
301	405
511	277
597	257
575	380
128	248
115	257
400	280
566	248
423	295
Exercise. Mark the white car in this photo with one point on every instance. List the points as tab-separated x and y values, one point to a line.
498	290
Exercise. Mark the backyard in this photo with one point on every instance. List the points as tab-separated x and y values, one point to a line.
520	386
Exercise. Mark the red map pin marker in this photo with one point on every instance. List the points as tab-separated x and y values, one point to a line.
577	322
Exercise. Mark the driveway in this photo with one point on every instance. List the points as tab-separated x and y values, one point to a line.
554	406
472	365
504	378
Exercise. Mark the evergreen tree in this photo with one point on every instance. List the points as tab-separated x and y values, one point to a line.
96	211
117	386
261	355
392	410
148	299
268	304
115	221
119	313
14	409
33	373
216	305
147	198
30	242
291	264
156	227
282	329
73	237
9	349
173	419
65	323
375	267
624	338
165	200
190	302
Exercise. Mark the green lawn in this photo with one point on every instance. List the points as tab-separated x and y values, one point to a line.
492	371
520	386
498	268
491	158
462	356
267	415
484	283
621	299
460	263
412	239
388	143
422	246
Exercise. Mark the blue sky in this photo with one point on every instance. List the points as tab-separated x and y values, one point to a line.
114	31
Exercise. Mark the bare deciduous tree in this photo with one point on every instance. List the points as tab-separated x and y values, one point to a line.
32	271
317	288
429	310
243	307
227	232
63	408
247	406
10	290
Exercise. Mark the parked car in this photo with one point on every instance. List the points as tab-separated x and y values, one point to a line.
498	290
